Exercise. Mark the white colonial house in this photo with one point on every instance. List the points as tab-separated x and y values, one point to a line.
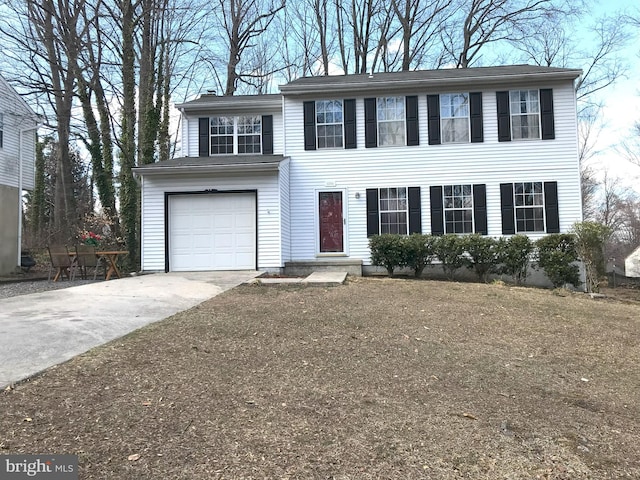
303	178
18	125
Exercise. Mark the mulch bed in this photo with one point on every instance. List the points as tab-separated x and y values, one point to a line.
378	378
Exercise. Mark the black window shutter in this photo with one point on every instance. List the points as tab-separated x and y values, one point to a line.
546	114
433	119
437	211
551	207
370	123
475	117
350	123
413	136
203	137
507	208
309	125
504	117
415	210
267	134
480	209
373	222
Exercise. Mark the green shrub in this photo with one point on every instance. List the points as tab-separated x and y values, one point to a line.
514	255
591	238
450	251
557	256
388	251
482	255
418	252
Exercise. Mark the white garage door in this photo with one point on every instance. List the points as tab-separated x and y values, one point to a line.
212	232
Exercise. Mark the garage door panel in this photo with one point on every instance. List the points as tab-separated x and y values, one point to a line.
212	232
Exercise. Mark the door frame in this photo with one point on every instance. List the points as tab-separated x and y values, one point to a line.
345	222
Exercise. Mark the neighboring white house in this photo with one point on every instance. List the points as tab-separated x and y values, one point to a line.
632	264
18	125
306	176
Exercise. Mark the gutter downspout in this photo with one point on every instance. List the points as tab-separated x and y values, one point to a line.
20	174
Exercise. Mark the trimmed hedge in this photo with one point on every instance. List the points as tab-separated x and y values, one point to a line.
557	256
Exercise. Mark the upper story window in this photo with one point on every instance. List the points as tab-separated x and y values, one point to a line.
1	130
525	114
454	117
329	123
231	135
391	121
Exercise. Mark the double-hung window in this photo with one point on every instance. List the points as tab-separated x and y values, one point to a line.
458	208
391	121
1	129
454	117
329	123
249	130
394	210
524	106
529	205
231	135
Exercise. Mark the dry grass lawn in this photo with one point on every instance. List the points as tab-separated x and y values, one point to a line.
379	378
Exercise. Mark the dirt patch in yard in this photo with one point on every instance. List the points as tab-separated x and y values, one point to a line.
378	378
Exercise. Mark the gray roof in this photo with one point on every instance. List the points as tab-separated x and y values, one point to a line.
252	102
426	78
213	164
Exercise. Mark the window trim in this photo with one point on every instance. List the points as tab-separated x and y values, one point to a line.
1	130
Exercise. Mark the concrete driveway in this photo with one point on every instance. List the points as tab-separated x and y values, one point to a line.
44	329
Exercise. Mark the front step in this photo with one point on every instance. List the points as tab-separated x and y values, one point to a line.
307	267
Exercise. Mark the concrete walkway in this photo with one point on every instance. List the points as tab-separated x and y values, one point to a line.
44	329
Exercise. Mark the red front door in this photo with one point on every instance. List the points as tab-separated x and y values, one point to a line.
331	222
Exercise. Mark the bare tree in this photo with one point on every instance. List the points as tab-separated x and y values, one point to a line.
239	24
421	23
485	22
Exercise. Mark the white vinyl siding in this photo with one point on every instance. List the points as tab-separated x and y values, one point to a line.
490	163
268	212
16	117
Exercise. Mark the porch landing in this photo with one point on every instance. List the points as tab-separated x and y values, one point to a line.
351	266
